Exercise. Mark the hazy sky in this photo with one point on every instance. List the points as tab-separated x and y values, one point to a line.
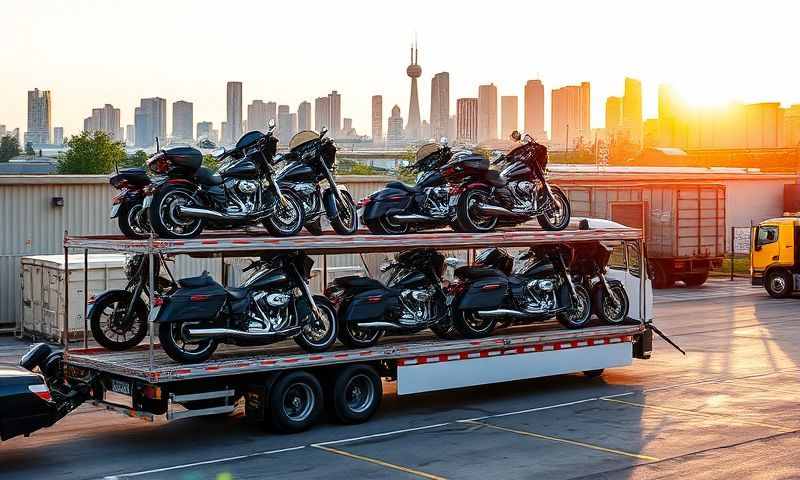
89	53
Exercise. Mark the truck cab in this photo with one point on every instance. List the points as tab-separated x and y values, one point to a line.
775	257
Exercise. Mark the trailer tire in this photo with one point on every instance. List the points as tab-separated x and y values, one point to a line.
661	279
356	394
778	283
295	402
695	280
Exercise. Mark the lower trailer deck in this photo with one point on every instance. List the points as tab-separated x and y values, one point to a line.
405	351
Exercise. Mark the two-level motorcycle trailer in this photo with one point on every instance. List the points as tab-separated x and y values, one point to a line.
145	382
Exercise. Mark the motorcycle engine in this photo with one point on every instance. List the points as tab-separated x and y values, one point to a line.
540	296
436	202
242	196
524	192
416	307
269	311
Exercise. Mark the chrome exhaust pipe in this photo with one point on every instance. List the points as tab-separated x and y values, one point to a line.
411	218
500	313
196	334
497	211
202	213
378	325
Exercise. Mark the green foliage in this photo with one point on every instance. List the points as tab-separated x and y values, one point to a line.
210	162
9	148
138	159
91	153
362	169
483	152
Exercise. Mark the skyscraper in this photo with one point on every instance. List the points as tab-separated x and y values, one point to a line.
257	116
534	109
182	120
234	104
632	110
284	129
394	129
377	119
39	117
272	112
130	135
335	105
105	119
613	115
440	104
509	115
414	71
58	135
322	113
570	120
467	120
487	112
150	120
347	127
304	116
206	130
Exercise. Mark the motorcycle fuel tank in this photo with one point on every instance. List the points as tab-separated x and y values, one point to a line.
239	169
430	179
297	172
270	279
411	280
515	171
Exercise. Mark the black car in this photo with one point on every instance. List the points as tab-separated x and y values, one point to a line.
25	402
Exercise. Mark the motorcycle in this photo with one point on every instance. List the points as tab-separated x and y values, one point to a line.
274	304
411	300
398	207
609	300
186	197
481	198
127	205
312	159
118	318
492	291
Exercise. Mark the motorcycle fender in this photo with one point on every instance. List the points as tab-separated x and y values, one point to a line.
564	296
131	196
372	306
329	200
484	293
386	200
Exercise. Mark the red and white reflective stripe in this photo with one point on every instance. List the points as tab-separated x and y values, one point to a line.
539	347
40	391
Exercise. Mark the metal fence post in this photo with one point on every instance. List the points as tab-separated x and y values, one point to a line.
85	298
733	250
65	331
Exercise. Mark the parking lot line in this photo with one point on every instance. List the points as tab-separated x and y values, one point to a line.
638	456
763	388
701	414
375	461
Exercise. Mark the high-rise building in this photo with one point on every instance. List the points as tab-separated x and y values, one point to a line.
632	110
534	109
39	117
2	131
150	120
570	120
377	119
394	129
347	127
487	112
440	104
613	116
292	125
272	112
58	135
284	128
234	107
467	120
451	128
335	105
105	119
414	71
257	116
182	120
509	115
322	113
130	135
304	116
791	126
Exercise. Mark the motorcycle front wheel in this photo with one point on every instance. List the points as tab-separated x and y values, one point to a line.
108	325
606	309
558	213
581	312
164	217
288	219
170	334
346	221
319	334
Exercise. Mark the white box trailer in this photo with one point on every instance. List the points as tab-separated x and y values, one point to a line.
280	380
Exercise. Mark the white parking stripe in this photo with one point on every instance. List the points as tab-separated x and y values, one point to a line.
383	434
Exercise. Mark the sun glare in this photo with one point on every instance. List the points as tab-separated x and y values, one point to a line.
698	94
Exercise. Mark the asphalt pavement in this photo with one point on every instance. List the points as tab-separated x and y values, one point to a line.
728	409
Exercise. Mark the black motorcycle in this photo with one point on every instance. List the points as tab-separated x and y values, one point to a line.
398	207
126	206
491	291
411	300
118	318
186	197
609	300
274	304
311	160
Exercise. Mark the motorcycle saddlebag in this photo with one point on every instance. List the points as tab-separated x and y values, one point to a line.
374	306
485	292
199	298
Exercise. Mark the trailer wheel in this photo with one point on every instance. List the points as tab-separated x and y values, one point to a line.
778	284
295	402
695	280
661	279
356	394
593	373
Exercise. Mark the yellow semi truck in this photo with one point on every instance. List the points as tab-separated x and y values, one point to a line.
775	255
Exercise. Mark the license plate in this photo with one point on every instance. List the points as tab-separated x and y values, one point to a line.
114	210
153	314
147	201
118	386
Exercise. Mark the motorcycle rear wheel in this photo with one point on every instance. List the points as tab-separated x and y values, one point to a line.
356	337
165	221
471	326
467	219
558	215
171	338
128	220
384	226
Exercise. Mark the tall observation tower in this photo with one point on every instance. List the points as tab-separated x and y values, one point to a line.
414	71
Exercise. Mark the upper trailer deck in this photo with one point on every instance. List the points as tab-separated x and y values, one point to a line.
236	244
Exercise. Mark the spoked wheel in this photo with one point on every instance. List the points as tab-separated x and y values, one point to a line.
557	214
165	217
172	338
132	220
320	333
295	402
346	222
471	326
356	393
109	326
468	218
611	310
288	218
385	226
581	312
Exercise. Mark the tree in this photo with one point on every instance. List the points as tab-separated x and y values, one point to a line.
138	159
91	153
9	148
210	162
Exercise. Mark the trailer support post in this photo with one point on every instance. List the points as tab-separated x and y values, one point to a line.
150	295
85	298
65	327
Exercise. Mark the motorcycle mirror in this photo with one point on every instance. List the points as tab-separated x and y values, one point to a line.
527	138
443	141
516	136
323	132
271	123
452	262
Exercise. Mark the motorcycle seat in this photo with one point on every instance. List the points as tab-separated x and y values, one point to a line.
237	293
494	179
358	283
204	280
207	177
472	273
401	186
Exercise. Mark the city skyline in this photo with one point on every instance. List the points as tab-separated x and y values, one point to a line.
754	69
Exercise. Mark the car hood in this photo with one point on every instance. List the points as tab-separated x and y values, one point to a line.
11	374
